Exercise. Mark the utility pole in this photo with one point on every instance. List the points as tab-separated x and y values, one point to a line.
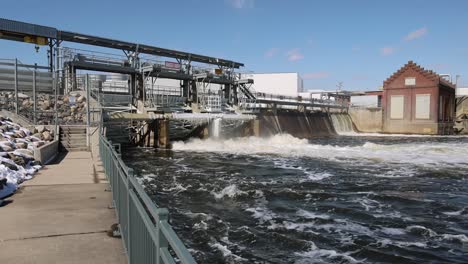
339	86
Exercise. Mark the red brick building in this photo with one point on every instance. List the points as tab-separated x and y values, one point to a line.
418	101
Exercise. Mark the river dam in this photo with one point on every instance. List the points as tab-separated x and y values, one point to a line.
203	167
323	199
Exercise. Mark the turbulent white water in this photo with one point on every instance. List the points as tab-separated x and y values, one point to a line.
281	199
424	154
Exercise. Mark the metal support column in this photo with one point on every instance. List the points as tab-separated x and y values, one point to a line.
34	97
54	87
51	56
58	67
193	92
16	86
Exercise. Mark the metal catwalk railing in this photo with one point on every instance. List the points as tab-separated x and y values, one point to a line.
146	233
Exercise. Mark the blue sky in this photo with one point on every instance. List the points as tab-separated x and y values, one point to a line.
359	43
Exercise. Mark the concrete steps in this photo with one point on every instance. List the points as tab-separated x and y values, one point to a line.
73	138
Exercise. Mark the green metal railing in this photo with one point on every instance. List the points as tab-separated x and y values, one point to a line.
147	235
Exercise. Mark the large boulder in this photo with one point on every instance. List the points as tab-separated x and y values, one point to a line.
46	135
22	145
25	153
45	105
26	103
20	134
11	166
38	144
20	160
40	129
37	135
23	96
6	146
80	99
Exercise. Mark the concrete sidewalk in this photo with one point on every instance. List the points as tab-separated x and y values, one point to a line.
61	216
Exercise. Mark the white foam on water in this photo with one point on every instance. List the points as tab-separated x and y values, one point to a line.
317	255
461	238
402	244
146	177
262	214
422	229
359	134
230	191
423	154
311	215
291	226
393	231
456	213
177	188
201	225
226	252
369	204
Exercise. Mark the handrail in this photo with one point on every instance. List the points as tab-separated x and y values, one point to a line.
146	233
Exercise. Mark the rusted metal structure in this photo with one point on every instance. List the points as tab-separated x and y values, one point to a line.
418	101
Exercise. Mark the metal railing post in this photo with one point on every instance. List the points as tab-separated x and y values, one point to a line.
129	223
16	86
87	110
161	215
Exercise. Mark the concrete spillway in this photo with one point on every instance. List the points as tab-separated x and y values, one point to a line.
301	125
342	123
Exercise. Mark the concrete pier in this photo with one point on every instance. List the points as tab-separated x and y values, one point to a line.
61	216
163	132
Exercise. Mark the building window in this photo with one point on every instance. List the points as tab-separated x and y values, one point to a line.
409	81
397	106
423	106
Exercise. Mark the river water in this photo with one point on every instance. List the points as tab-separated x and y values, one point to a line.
344	199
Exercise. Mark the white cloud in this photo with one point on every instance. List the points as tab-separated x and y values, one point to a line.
241	4
416	34
271	52
294	55
385	51
315	75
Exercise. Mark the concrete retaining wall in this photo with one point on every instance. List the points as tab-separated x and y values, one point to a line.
368	120
46	153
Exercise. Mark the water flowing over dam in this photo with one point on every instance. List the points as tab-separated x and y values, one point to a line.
342	123
301	125
342	199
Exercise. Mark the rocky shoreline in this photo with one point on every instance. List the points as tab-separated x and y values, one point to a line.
71	108
17	145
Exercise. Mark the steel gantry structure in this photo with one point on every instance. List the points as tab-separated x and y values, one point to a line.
192	78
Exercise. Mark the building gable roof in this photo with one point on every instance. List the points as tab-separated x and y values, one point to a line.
429	74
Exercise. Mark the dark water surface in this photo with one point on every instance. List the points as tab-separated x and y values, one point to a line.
344	199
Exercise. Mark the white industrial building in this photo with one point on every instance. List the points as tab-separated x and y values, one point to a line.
461	92
313	94
288	84
365	100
